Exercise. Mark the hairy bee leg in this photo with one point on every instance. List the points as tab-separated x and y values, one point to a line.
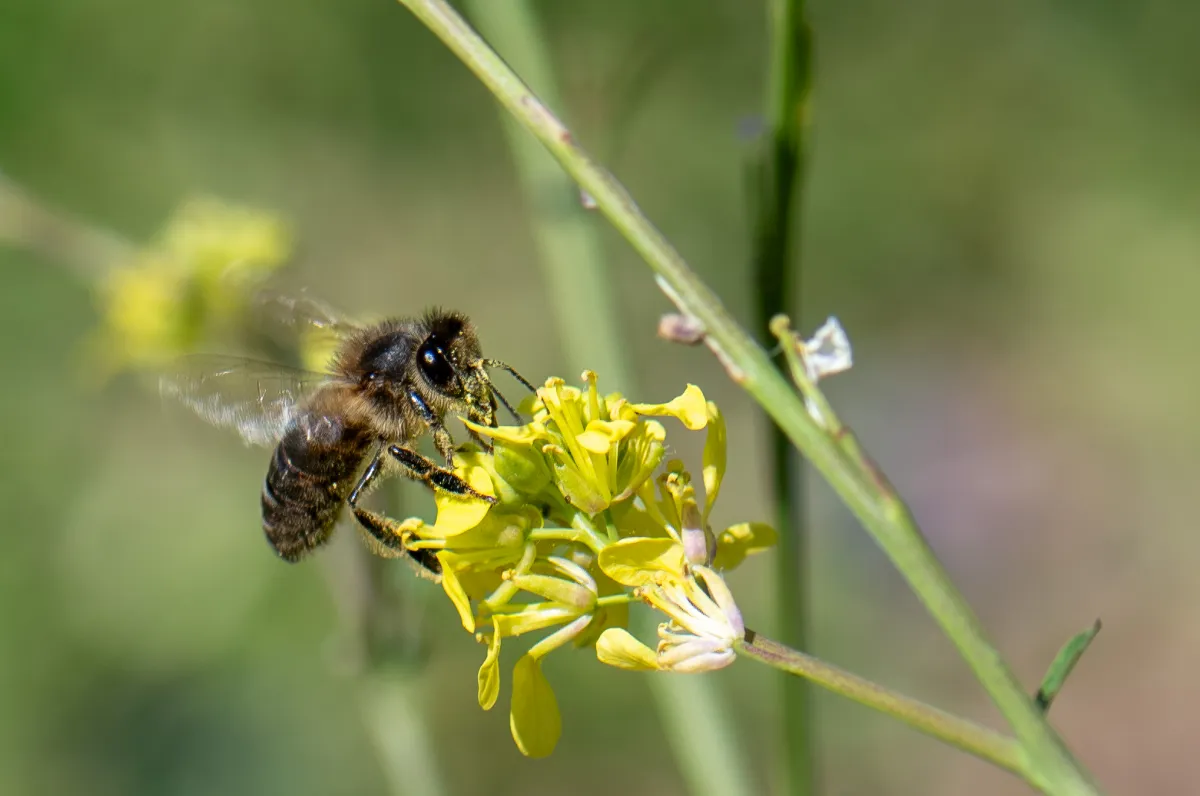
366	479
385	530
441	437
422	469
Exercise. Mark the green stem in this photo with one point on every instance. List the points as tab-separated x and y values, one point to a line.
571	255
385	610
615	599
579	535
29	224
777	277
395	720
966	735
581	295
1050	765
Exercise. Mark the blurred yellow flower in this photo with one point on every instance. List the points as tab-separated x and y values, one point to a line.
193	281
583	527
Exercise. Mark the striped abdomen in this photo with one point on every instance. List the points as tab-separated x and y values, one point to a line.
311	475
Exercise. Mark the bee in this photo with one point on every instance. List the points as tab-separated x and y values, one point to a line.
334	433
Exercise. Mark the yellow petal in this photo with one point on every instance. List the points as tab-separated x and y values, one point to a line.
456	513
690	408
617	647
618	408
714	457
640	456
455	591
600	435
489	674
741	540
516	435
633	562
534	719
633	520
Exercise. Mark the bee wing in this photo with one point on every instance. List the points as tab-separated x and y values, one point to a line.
300	315
254	398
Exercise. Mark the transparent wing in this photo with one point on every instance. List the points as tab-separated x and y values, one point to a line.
300	315
254	398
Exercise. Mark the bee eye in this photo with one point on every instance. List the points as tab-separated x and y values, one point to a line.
435	366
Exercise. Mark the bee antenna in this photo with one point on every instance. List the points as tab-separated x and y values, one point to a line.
495	363
504	401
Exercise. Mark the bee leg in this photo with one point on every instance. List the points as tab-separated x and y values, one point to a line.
422	469
385	530
441	437
367	478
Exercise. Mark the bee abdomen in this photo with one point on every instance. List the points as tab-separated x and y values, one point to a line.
309	478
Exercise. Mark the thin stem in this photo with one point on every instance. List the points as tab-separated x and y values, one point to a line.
571	255
966	735
383	613
29	224
610	526
395	720
885	517
581	296
615	599
578	535
777	276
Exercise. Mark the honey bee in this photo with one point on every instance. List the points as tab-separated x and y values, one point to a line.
335	432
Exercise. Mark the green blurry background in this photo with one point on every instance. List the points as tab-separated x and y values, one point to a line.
1001	209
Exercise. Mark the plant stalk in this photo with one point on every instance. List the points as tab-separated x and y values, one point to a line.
570	252
573	266
777	275
1048	763
966	735
89	252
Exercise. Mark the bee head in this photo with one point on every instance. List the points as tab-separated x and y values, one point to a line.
450	363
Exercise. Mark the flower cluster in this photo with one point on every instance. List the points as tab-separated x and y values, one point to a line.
194	279
583	527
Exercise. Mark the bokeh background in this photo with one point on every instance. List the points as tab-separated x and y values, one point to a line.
1001	209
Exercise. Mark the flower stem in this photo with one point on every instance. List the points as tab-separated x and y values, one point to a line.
381	616
1050	765
571	255
577	535
29	224
777	280
580	286
396	724
966	735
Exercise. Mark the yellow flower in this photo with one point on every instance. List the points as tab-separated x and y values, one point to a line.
194	281
590	452
704	619
582	528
